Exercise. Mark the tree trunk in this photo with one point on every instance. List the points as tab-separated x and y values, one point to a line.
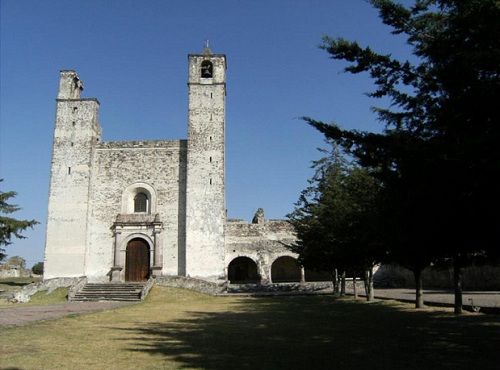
342	284
419	298
369	285
354	287
334	283
365	281
372	291
336	287
457	281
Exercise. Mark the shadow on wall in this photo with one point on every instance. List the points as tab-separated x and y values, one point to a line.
318	333
474	277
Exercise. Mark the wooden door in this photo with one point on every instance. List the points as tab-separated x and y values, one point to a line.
137	260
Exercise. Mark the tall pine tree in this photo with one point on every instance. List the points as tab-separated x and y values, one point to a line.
438	154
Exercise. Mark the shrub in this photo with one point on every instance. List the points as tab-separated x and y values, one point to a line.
37	268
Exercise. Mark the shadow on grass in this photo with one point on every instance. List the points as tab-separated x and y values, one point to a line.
318	333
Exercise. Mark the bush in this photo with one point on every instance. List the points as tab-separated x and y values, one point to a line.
37	268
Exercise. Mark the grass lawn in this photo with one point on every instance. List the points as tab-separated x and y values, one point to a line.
177	328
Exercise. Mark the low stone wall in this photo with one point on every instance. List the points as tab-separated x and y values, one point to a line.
317	287
308	287
76	287
212	288
147	288
24	295
197	285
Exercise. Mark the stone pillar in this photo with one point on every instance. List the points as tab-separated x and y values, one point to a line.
158	255
117	265
265	277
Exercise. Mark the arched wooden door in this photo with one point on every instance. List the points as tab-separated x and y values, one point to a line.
137	260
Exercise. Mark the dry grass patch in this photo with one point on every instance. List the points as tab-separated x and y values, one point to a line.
176	329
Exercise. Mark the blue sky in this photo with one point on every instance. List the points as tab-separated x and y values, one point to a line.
132	56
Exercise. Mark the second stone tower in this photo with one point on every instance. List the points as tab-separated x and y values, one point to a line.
205	193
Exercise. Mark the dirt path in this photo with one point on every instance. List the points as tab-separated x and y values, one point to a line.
21	315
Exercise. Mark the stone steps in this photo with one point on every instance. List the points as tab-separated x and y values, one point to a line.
110	292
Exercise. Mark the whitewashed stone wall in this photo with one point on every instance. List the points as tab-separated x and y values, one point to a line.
119	166
76	132
205	194
91	218
263	242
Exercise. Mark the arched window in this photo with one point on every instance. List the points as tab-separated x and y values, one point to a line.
207	69
140	203
139	198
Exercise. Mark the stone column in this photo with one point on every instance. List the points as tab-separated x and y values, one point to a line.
158	255
117	265
302	275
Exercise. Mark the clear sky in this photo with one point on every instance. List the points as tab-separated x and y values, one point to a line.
132	57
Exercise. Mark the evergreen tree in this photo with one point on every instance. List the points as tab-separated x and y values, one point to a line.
336	221
438	153
9	226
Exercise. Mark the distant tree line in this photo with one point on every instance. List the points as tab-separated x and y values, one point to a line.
422	191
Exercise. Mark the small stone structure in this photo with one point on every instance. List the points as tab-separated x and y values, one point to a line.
14	267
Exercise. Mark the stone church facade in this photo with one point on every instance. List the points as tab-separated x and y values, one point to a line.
128	211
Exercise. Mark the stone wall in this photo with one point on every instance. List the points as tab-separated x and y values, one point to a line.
14	272
14	267
158	167
205	193
198	285
76	133
263	242
24	295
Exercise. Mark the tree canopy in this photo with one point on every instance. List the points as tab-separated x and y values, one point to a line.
437	154
336	218
9	226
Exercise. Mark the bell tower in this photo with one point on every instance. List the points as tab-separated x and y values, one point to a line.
77	131
205	191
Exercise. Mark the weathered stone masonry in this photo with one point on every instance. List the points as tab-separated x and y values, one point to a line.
130	210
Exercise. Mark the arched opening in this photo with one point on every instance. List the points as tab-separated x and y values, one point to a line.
137	260
285	270
207	69
141	203
242	270
315	275
139	198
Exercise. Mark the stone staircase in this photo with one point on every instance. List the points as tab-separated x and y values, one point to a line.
130	291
